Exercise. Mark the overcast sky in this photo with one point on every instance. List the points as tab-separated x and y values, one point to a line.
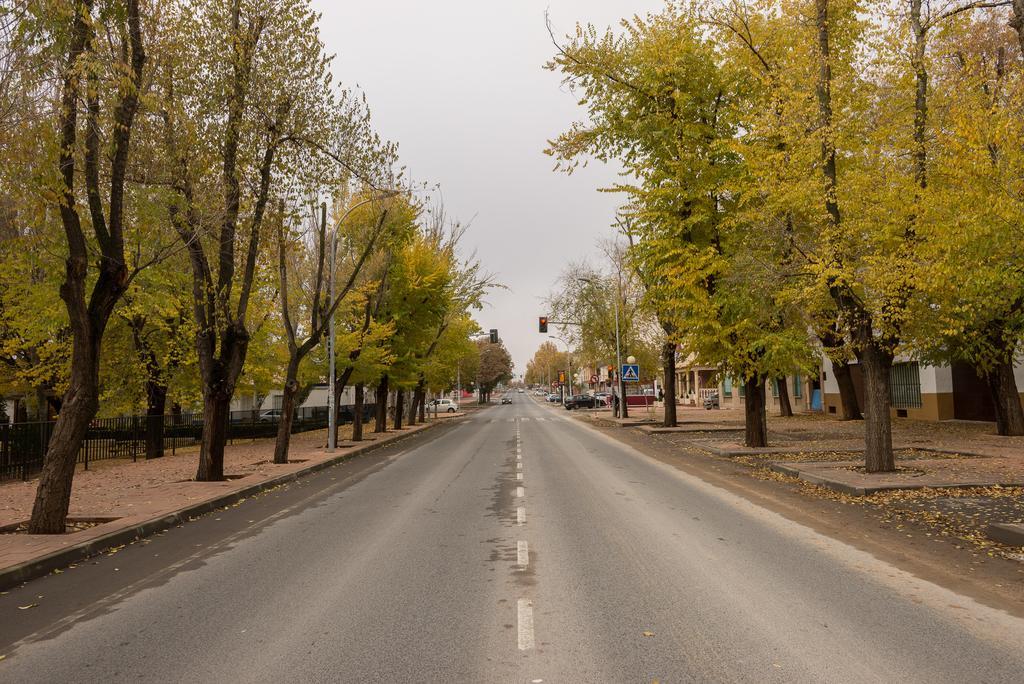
460	85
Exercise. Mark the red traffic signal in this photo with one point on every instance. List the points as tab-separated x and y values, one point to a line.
543	324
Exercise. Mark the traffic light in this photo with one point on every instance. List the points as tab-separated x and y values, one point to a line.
561	376
494	336
543	324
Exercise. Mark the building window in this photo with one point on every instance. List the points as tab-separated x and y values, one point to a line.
798	390
775	387
727	386
905	385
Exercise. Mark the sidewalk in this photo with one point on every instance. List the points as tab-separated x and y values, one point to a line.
117	501
957	477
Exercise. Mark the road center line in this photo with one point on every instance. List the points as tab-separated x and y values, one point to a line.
521	515
519	476
522	554
520	492
525	624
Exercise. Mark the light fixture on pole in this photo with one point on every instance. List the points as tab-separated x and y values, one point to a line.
623	411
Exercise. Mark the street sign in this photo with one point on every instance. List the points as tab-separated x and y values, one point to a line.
593	379
631	372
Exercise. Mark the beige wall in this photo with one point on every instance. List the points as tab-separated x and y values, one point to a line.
933	407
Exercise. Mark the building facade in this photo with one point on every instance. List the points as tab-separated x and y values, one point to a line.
923	392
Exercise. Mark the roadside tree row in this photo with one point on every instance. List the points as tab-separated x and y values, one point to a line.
817	177
187	200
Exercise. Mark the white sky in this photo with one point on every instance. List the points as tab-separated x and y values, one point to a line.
460	85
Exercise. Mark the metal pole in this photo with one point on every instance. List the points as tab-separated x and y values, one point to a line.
623	411
332	417
568	356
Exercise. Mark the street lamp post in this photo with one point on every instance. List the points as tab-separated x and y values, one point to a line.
623	412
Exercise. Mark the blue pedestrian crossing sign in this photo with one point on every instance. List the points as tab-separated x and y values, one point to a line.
631	372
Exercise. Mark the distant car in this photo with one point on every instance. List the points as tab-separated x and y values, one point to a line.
506	400
553	397
520	390
711	401
271	416
442	406
604	397
578	401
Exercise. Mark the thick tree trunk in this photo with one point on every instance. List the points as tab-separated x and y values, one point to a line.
785	407
156	403
284	427
399	408
1006	399
216	410
381	424
357	413
668	360
53	494
847	391
423	405
755	413
877	364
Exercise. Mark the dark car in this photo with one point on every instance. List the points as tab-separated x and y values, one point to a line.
712	401
581	401
506	400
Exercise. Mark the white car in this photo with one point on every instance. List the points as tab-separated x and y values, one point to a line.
442	406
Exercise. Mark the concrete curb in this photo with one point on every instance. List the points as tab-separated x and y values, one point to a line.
1010	534
37	567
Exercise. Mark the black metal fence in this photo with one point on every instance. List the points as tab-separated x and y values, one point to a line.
23	445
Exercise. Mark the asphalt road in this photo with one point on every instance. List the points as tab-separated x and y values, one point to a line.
517	546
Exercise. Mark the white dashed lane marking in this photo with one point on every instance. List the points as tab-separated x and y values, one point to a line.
522	554
525	624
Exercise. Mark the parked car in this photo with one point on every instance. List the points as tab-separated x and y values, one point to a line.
271	416
604	397
442	406
554	396
506	400
711	401
581	401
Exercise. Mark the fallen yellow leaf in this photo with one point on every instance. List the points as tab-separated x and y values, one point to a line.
31	605
648	633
